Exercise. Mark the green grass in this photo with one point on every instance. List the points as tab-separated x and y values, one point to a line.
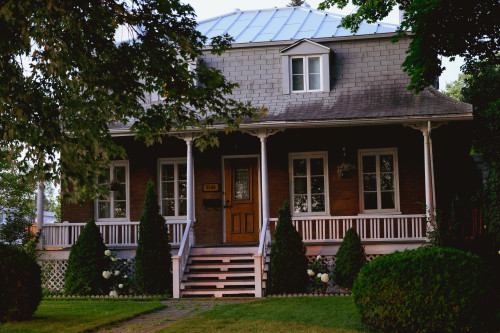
80	315
302	314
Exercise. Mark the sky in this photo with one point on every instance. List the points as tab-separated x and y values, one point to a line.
210	8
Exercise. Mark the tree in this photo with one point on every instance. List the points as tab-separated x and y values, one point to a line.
64	79
288	256
296	3
153	260
350	259
454	89
449	28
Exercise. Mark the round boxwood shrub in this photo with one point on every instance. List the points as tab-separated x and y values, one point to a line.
429	289
350	258
20	284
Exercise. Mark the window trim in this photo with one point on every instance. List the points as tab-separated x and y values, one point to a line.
377	152
305	65
112	165
175	161
309	155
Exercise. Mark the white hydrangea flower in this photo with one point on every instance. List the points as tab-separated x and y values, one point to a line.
325	278
120	285
113	293
113	259
319	275
310	272
125	276
106	274
107	253
319	257
117	273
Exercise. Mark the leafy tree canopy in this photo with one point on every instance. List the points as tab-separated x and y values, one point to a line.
64	79
454	89
449	28
296	3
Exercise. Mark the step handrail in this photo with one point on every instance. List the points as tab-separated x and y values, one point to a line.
179	261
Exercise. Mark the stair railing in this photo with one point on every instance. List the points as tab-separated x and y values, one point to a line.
179	261
260	257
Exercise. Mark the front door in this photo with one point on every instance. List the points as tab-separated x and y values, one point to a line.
241	199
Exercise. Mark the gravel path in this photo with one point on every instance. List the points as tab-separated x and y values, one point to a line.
175	310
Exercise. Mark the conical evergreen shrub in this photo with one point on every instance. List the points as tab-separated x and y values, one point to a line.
86	263
288	256
350	258
153	260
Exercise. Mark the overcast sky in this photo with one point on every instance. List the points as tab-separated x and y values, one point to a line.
211	8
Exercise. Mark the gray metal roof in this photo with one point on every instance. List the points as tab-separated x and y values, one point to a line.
275	24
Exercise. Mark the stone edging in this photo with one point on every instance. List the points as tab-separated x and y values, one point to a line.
131	297
309	295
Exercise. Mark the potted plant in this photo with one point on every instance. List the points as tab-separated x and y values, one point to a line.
114	185
345	170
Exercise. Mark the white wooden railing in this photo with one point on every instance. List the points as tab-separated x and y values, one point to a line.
179	261
114	234
369	227
260	257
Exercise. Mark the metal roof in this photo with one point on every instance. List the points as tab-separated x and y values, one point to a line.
288	23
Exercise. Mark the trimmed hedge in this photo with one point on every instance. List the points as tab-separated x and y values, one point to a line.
350	258
86	263
426	290
20	284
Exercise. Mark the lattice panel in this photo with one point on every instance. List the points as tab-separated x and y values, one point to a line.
53	274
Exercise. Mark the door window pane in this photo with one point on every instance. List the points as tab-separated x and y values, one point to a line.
241	184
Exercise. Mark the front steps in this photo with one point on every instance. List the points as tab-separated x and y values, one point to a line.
220	272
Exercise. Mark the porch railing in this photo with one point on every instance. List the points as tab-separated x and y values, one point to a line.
114	234
179	261
369	227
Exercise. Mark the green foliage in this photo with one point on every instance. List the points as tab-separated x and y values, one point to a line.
296	3
454	89
350	258
75	62
429	289
20	284
153	261
288	256
316	270
447	28
86	263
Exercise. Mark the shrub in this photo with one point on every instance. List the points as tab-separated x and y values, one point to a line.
288	256
153	261
350	258
86	263
319	275
20	284
426	290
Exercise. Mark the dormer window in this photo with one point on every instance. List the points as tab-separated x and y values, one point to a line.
306	73
306	67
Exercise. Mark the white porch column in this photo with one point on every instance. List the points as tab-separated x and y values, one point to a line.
190	186
39	214
264	180
429	201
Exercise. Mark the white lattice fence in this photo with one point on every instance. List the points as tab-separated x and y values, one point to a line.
53	274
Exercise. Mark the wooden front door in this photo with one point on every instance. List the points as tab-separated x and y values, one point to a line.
241	200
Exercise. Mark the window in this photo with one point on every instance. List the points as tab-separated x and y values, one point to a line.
306	73
114	205
309	183
378	181
173	187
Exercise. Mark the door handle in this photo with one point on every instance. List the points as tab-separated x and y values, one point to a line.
228	204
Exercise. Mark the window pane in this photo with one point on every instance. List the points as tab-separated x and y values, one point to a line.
241	184
298	82
182	207
104	210
313	63
299	167
369	164
297	66
388	200
300	185
300	203
167	172
317	184
104	177
167	190
386	182
119	174
182	189
318	203
314	81
386	163
120	193
168	208
317	167
370	200
182	171
369	182
120	207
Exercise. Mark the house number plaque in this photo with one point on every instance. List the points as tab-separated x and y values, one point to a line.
212	187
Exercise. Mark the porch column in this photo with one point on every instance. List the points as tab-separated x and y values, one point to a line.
429	201
39	214
264	180
190	188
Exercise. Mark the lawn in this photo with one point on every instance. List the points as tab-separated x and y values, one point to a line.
81	315
303	314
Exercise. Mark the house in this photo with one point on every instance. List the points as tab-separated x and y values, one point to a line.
333	98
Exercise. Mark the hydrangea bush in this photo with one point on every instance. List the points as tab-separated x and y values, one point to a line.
319	274
119	275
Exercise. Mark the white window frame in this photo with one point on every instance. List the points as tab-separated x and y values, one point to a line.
112	165
308	156
175	162
377	153
305	65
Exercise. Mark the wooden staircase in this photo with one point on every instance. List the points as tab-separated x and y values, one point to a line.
220	272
